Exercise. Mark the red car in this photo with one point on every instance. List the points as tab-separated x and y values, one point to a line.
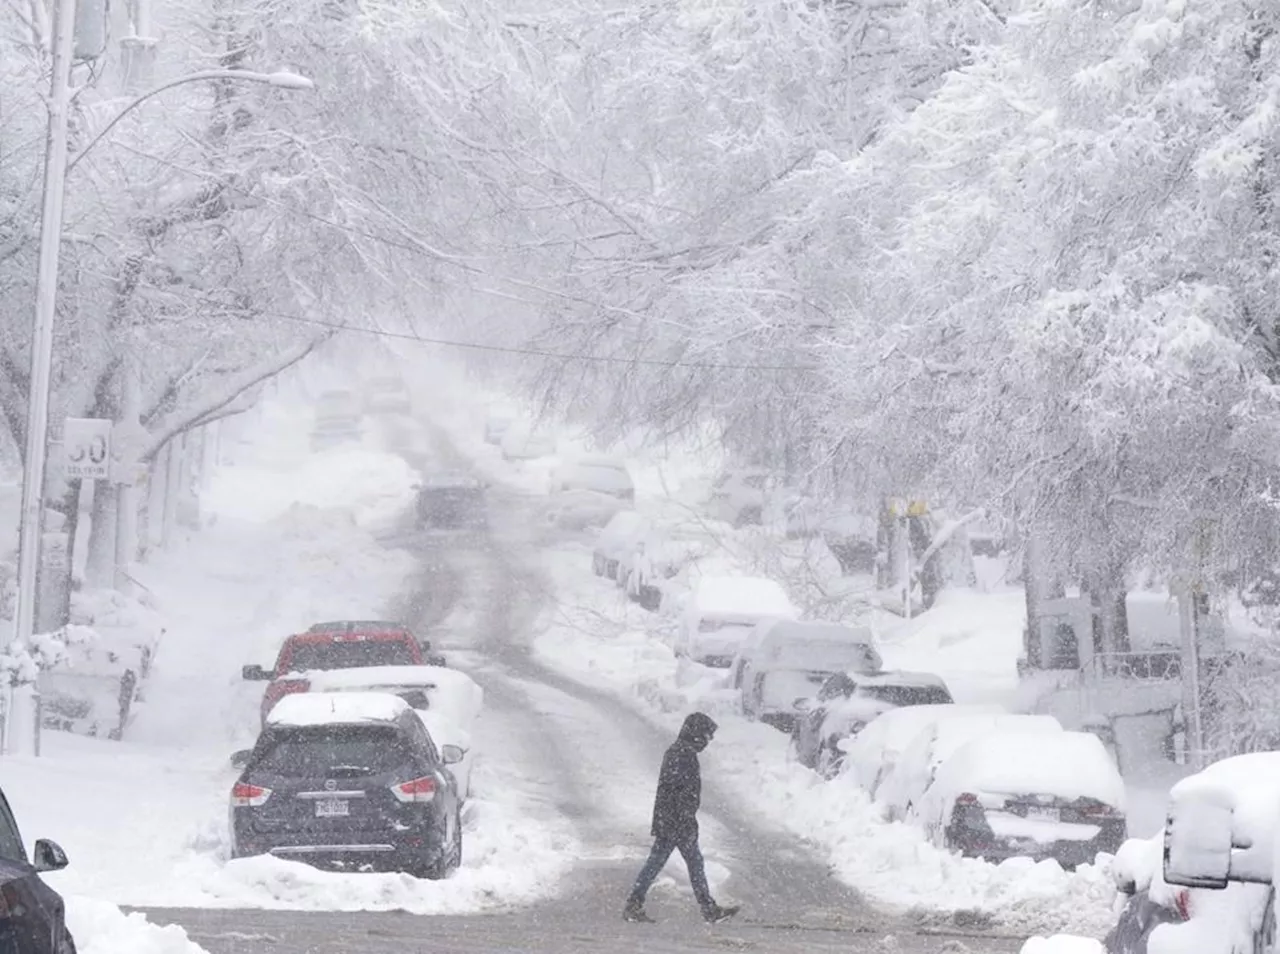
346	644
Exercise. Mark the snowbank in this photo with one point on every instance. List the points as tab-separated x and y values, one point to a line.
972	640
102	928
375	487
1061	944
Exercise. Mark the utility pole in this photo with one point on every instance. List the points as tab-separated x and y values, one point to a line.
21	723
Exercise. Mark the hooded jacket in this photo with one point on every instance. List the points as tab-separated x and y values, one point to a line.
675	807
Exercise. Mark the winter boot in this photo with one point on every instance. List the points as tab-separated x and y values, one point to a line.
716	914
635	913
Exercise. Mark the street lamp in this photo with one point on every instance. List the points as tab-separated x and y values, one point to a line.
56	166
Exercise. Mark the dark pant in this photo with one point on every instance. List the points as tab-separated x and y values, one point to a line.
692	854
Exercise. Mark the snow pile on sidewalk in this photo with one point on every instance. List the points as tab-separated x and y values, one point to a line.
101	928
598	638
1061	944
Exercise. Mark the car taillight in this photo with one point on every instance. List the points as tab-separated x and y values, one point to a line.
418	790
1182	904
244	795
965	799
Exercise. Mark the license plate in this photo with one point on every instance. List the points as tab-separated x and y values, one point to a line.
1043	814
332	808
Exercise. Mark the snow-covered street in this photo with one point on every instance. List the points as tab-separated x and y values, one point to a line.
563	784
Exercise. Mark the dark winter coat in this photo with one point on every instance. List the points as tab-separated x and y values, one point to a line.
675	807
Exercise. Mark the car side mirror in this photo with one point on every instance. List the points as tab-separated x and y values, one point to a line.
49	856
436	659
256	674
452	754
240	758
803	704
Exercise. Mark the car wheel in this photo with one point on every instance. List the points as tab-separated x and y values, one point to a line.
451	857
611	569
597	565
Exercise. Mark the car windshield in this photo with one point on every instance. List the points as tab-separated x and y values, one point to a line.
906	695
350	654
330	751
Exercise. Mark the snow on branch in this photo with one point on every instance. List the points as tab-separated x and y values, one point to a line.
178	422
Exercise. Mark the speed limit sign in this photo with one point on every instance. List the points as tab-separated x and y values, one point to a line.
86	442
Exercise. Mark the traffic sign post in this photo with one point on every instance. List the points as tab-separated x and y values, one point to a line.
86	445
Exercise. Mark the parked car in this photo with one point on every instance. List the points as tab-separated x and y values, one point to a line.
847	701
349	781
617	538
872	754
1038	795
1209	874
496	426
32	914
721	612
344	644
387	395
582	509
447	701
905	784
521	443
596	472
782	660
452	502
740	496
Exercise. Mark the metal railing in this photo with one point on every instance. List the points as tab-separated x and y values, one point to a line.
1163	665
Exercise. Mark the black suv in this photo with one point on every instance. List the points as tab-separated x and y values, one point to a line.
452	502
31	912
352	781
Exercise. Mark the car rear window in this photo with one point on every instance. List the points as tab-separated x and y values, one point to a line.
331	751
350	654
907	695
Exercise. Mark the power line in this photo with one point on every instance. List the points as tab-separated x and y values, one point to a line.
499	349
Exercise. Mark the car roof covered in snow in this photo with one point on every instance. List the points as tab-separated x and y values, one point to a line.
749	596
599	460
814	644
380	677
336	708
357	626
1065	764
950	735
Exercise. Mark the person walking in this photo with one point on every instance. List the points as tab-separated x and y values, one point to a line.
675	822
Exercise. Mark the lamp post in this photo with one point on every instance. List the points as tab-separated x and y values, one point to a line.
19	735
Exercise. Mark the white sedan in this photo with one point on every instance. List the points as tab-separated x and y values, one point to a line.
447	701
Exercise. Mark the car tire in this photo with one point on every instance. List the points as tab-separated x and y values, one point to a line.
451	857
597	565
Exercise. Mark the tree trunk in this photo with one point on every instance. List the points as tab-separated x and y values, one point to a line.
100	564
